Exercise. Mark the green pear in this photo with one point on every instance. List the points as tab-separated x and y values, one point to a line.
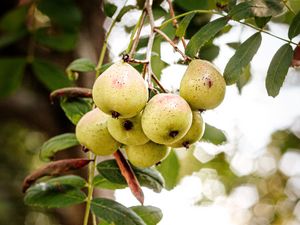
92	132
194	134
166	118
202	85
120	91
127	131
146	155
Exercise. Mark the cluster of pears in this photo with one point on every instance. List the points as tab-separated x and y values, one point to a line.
125	116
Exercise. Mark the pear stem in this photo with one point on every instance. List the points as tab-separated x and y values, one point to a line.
156	80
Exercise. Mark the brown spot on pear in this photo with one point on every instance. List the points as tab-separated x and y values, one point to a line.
127	131
146	155
92	132
120	91
202	85
166	118
194	134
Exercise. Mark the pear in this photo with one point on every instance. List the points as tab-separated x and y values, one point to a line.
194	134
146	155
166	118
202	85
92	132
127	131
120	91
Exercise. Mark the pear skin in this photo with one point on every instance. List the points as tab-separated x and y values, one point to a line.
127	131
146	155
120	91
166	118
92	132
202	85
194	134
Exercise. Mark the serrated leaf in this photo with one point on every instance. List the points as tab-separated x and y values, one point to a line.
101	182
278	69
76	108
294	28
151	215
57	143
204	35
123	11
244	78
241	11
81	65
169	169
11	73
50	75
147	177
184	23
112	211
242	57
213	135
109	8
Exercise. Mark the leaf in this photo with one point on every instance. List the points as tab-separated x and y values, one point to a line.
204	34
55	193
234	45
169	169
157	64
11	74
14	19
150	214
72	180
76	108
213	135
242	57
278	69
244	78
241	11
10	38
184	23
50	75
192	4
262	21
294	28
109	9
296	57
124	10
81	65
112	211
57	143
209	52
101	182
147	177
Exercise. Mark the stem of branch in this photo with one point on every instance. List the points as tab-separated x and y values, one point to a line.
154	77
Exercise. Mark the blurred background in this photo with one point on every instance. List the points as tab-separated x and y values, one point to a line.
248	172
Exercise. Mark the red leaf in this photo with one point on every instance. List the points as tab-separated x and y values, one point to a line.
129	176
296	57
54	168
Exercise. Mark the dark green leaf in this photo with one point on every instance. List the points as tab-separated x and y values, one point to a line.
184	23
50	75
204	35
104	67
57	143
11	73
234	45
150	214
169	169
241	58
112	211
278	69
109	8
101	182
147	177
209	52
294	29
76	108
262	21
54	194
123	11
213	135
244	78
81	65
9	38
14	19
192	4
72	180
241	11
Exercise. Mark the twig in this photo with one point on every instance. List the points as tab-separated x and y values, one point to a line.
185	57
154	77
128	59
288	7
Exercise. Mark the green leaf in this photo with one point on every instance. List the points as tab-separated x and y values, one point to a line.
234	45
157	64
262	21
150	214
50	75
209	52
57	143
124	10
81	65
204	35
101	182
15	19
76	108
241	58
169	169
241	11
55	194
278	69
284	140
147	177
112	211
213	135
244	78
294	28
72	180
11	73
9	38
184	23
109	9
192	4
